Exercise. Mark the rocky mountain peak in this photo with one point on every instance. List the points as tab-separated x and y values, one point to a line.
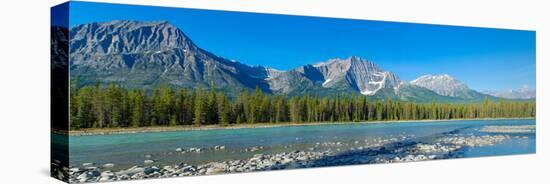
358	73
127	37
143	54
346	62
442	84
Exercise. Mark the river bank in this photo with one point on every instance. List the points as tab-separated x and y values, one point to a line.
108	131
358	152
193	153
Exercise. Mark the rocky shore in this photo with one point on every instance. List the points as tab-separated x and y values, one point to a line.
258	162
378	150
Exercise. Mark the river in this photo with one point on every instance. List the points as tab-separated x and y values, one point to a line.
341	140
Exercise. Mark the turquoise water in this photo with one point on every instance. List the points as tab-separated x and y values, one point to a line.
126	150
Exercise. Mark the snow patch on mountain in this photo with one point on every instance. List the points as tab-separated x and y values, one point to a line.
326	82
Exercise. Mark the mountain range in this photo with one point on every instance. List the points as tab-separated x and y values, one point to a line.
144	54
522	93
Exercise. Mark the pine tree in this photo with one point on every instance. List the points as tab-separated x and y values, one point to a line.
136	106
212	106
200	108
224	110
84	115
99	106
113	103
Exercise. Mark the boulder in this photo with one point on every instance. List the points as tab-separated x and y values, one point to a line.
214	170
150	170
82	177
130	171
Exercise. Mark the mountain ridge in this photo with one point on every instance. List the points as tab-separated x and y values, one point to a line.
523	93
143	54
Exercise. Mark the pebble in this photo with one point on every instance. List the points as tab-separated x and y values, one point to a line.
108	165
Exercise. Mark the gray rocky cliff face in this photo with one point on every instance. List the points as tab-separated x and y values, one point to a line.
142	54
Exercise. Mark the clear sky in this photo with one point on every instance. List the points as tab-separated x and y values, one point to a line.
485	59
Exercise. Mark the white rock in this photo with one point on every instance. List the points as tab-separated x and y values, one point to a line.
87	164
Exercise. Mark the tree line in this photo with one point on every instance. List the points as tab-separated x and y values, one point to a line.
115	106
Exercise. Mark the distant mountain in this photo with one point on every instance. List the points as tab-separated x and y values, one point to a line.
351	74
522	93
144	54
446	85
442	84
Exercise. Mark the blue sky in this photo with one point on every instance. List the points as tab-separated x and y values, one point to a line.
485	59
